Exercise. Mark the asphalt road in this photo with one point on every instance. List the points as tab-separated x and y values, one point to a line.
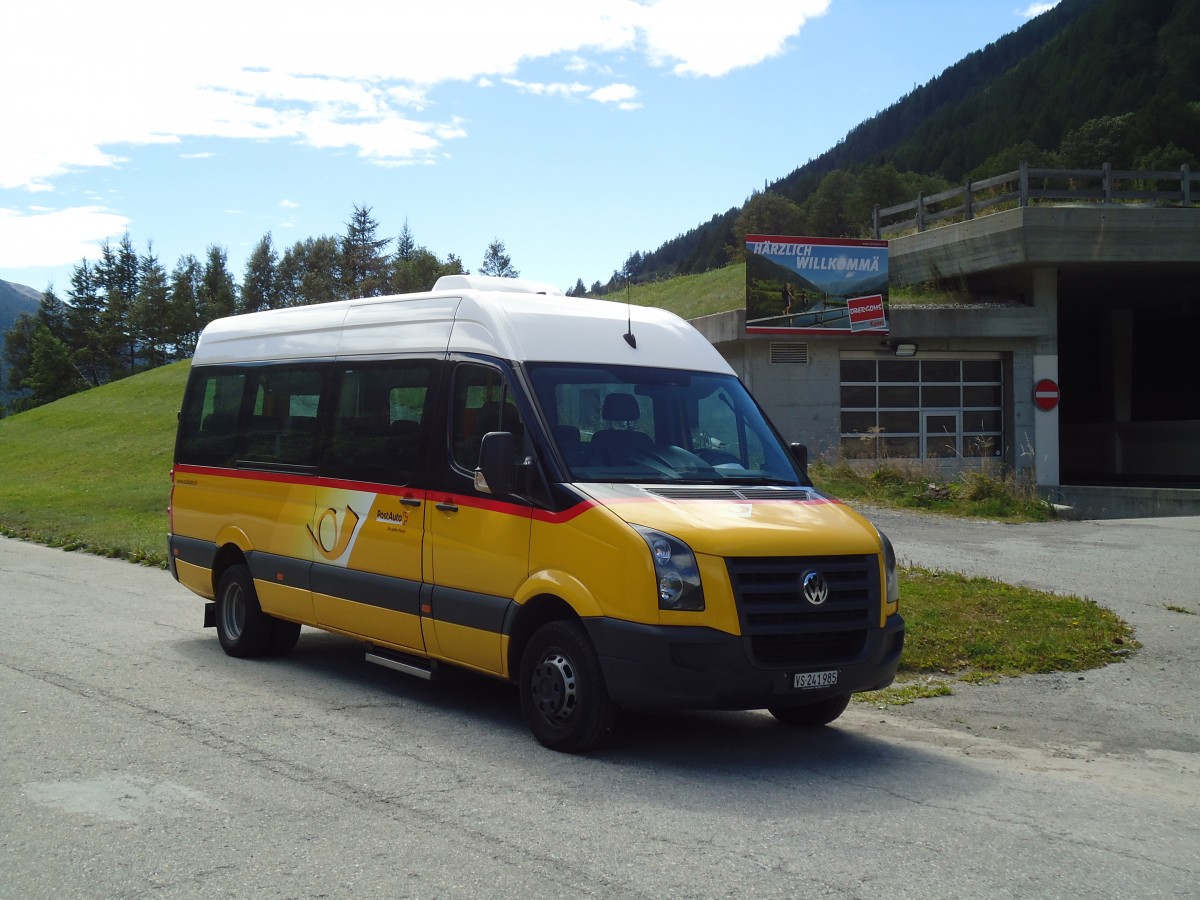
137	760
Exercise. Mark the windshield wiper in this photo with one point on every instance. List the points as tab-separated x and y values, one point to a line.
751	479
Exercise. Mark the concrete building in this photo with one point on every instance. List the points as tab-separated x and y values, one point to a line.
1103	301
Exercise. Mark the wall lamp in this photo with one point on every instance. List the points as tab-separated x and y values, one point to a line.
902	349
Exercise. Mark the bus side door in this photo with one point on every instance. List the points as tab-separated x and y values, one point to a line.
271	499
477	544
369	521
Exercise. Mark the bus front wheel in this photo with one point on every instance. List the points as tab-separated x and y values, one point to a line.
812	715
562	689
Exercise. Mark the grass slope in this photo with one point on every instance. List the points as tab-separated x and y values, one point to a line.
93	470
692	296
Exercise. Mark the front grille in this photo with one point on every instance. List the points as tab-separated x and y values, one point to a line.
786	631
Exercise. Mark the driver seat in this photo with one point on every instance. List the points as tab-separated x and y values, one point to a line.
616	445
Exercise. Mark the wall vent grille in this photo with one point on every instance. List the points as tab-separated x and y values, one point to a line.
789	354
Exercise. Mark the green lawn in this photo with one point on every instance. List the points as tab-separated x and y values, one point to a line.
692	296
93	470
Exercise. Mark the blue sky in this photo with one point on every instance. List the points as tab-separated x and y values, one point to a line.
575	131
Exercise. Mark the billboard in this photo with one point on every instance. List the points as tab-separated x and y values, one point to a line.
811	285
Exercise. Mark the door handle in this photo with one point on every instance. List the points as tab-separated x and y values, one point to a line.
410	501
447	506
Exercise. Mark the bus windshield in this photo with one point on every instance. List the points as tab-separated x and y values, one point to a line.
656	426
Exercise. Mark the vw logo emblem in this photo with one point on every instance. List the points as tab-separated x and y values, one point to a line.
816	588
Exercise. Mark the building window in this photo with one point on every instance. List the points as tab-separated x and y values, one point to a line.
922	408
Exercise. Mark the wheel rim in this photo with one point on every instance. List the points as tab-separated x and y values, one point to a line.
233	611
554	688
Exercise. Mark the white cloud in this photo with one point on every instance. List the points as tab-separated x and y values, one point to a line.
621	94
1036	9
125	76
557	89
713	39
577	65
55	238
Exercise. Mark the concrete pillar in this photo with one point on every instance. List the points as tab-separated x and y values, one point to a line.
1044	294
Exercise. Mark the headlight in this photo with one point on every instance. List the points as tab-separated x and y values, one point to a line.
889	562
675	571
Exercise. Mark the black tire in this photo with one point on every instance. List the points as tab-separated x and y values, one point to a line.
812	715
283	637
562	689
242	627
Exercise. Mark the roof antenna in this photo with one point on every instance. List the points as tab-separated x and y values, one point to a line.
630	339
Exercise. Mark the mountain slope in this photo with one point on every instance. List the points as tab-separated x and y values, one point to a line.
1082	60
879	138
15	299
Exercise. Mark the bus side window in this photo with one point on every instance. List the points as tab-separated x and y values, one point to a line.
281	427
482	403
377	432
208	423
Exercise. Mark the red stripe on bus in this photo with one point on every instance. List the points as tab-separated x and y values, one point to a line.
370	487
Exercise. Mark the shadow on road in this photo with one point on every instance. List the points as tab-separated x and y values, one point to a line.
485	714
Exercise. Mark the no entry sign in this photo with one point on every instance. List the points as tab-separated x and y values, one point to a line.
1045	394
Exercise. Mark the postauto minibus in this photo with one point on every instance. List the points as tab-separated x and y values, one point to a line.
574	495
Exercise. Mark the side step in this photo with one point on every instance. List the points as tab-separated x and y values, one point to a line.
402	662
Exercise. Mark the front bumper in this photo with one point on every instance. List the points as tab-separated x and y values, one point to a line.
677	667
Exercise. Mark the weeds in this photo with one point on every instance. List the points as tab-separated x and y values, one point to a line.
987	492
904	693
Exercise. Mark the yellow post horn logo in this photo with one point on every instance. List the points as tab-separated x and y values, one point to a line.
330	539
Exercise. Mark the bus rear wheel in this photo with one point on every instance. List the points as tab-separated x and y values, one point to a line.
562	689
243	629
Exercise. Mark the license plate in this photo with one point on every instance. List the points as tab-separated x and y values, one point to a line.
808	680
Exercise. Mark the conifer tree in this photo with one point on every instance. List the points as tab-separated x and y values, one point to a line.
218	291
149	318
52	313
406	244
18	350
496	261
117	274
51	374
83	321
260	286
40	363
183	305
364	256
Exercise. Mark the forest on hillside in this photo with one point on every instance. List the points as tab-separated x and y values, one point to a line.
1089	82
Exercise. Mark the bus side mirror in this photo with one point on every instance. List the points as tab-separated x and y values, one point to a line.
497	463
800	454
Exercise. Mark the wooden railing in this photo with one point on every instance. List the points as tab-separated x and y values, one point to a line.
1105	185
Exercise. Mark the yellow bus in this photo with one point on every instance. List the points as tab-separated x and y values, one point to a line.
573	495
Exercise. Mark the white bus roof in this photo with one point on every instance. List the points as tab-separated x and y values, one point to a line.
508	318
